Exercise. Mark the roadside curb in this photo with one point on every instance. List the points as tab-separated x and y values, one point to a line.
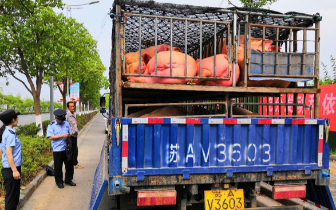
332	157
33	185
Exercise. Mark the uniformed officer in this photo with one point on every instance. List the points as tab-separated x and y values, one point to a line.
11	158
58	131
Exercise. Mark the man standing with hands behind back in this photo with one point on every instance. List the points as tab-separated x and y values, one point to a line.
58	131
71	118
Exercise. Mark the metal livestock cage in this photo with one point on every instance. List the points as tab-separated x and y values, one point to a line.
203	32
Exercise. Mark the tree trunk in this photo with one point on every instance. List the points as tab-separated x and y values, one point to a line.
64	93
79	105
38	118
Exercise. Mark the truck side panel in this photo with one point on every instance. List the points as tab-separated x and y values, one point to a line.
182	147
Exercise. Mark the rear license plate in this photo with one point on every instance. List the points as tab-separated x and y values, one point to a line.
224	199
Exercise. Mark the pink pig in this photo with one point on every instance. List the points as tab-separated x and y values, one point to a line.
222	69
163	69
132	58
132	62
160	48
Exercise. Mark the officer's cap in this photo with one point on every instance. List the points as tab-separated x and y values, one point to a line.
8	115
60	114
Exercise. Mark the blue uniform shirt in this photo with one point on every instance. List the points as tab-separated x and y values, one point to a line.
9	139
55	129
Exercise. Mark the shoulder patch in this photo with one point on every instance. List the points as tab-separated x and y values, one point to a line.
52	122
12	132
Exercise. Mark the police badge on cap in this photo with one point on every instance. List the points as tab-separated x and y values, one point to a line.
8	115
60	114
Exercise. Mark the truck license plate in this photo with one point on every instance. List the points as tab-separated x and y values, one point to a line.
224	199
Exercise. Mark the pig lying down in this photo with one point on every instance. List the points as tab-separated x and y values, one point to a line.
222	71
163	69
167	111
132	58
178	69
147	66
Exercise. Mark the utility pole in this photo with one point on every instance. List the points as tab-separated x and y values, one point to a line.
69	7
51	98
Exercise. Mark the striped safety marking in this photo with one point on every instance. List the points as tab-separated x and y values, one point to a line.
124	164
243	121
222	121
271	121
139	120
217	121
304	122
185	121
147	120
320	146
315	204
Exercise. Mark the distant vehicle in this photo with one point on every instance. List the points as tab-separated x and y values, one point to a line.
106	123
104	111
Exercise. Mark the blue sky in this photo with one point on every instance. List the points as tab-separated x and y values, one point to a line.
96	20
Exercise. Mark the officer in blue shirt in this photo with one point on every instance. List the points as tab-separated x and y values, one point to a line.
11	158
58	131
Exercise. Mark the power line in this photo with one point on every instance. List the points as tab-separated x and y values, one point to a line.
103	25
221	3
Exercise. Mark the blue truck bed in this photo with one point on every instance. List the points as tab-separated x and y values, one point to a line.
171	146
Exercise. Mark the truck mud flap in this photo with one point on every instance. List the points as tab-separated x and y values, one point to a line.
100	180
320	195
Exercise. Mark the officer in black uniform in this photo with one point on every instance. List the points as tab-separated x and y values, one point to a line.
58	131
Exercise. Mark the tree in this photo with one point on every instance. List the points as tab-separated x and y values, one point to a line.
82	59
255	3
327	80
92	81
35	42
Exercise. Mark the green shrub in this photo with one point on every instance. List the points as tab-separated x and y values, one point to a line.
45	126
27	130
83	119
34	151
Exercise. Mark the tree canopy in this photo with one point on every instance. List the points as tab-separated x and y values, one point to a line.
256	3
327	80
37	43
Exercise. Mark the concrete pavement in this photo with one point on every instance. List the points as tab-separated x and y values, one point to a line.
49	197
332	186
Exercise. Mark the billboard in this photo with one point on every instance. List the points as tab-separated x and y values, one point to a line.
74	92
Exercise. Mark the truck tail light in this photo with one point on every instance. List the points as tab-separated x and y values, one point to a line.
156	198
285	192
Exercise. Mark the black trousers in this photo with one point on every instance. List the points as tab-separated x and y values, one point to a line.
74	150
12	187
59	159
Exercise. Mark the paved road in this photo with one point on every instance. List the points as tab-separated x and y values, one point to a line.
49	197
332	185
30	118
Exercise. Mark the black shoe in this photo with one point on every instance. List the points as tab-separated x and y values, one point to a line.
60	185
71	183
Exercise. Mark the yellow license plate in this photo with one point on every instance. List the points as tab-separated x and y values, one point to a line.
224	199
